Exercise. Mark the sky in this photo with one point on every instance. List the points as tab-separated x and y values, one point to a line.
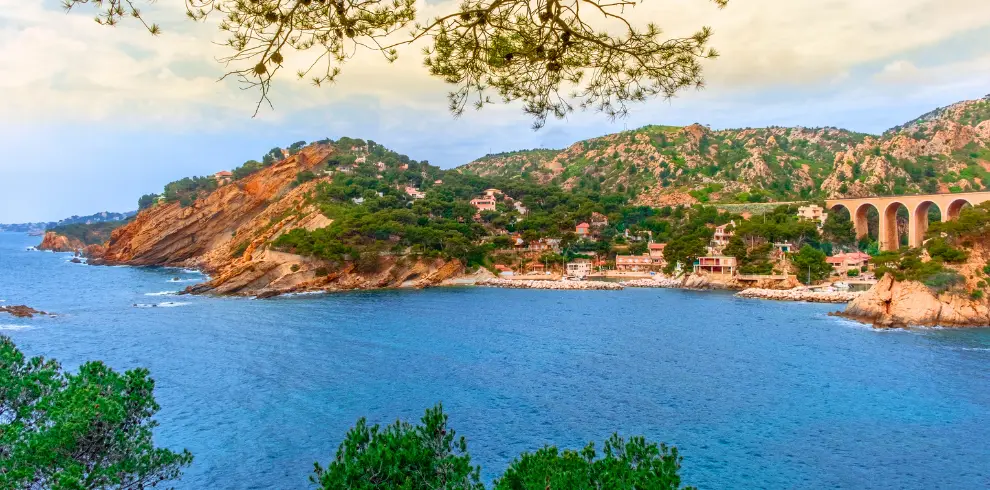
93	117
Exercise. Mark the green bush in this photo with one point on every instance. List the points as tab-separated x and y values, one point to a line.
977	294
294	268
852	272
240	249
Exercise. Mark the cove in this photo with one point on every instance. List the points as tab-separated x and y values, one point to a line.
755	394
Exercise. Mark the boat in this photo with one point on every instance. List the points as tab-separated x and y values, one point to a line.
841	286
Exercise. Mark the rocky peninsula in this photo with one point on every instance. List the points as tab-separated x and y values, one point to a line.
898	304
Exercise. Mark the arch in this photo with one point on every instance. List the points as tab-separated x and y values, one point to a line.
860	220
920	218
889	237
954	208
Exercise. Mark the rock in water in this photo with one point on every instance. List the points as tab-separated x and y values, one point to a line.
897	304
21	311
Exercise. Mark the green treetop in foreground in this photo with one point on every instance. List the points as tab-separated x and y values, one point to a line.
91	430
430	456
548	54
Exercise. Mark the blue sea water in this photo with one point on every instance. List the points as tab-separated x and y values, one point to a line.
755	394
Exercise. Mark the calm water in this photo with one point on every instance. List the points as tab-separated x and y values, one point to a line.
756	394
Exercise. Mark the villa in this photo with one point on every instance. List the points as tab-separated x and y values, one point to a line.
845	262
633	263
656	255
813	212
582	229
484	203
718	264
415	193
579	268
223	177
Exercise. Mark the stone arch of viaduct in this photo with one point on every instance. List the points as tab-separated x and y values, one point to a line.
948	205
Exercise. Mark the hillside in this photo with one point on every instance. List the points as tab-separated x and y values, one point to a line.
946	150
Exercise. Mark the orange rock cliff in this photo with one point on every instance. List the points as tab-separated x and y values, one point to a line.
228	233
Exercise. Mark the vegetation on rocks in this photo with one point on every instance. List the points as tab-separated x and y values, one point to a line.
946	150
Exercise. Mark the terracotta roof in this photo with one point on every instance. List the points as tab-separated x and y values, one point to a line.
583	225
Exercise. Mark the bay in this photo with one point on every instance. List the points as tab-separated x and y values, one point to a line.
755	394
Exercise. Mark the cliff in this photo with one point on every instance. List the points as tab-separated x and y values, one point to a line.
897	304
60	243
228	234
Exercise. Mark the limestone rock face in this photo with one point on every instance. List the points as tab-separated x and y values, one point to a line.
893	304
228	235
59	243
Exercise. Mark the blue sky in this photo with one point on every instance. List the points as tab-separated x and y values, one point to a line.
94	117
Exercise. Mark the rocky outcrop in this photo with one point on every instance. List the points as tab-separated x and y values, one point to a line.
22	311
60	243
897	304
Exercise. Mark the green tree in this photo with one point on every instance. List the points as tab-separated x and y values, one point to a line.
810	263
147	200
534	52
423	456
91	430
623	465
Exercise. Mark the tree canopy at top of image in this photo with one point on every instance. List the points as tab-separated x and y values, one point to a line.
551	55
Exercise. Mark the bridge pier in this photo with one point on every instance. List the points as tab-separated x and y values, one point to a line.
949	205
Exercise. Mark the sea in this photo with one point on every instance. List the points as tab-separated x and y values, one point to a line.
754	394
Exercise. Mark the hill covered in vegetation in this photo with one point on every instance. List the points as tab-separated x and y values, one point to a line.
946	150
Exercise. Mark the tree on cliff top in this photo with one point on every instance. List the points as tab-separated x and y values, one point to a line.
91	430
548	54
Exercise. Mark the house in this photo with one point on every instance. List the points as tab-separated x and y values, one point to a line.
438	181
503	270
723	233
715	264
544	244
783	247
633	263
844	262
414	192
813	212
380	165
579	268
520	208
483	203
223	177
598	220
404	166
656	255
582	229
536	268
360	159
492	192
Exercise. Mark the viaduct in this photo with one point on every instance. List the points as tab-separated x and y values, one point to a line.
948	205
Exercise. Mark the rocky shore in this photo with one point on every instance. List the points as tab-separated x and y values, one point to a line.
22	311
801	295
659	282
898	304
565	285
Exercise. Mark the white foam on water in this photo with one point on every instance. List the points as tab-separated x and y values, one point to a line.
192	271
304	293
171	304
182	280
15	327
162	293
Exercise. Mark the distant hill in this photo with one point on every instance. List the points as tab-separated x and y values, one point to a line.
102	217
945	150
